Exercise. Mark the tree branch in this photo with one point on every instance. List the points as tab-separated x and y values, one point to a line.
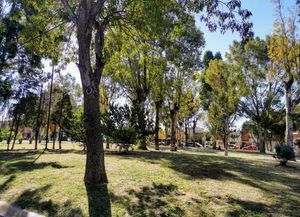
70	11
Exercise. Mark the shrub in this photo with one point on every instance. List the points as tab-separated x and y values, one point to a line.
20	141
297	143
284	153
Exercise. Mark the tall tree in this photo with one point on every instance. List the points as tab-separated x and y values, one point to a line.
226	91
264	89
284	51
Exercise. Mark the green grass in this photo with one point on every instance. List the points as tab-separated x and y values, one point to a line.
151	183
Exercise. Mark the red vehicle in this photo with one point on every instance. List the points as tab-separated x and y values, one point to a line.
249	148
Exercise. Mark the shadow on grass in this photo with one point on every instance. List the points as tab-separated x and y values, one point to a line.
257	173
24	166
6	184
32	200
98	201
157	200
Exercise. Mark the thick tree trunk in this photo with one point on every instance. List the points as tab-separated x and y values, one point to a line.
173	129
157	113
38	122
288	119
95	168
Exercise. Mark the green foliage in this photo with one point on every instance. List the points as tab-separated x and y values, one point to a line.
284	153
117	124
227	88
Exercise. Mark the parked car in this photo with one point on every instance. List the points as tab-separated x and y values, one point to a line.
249	148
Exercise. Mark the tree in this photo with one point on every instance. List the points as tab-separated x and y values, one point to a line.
226	91
284	51
92	19
263	89
205	89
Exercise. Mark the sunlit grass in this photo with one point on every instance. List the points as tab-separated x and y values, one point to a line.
151	183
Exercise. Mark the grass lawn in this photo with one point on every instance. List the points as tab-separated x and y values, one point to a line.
151	183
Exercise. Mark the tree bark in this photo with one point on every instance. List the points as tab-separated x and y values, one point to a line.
16	132
38	122
186	134
173	129
10	133
107	143
288	109
49	108
225	144
95	168
157	113
54	136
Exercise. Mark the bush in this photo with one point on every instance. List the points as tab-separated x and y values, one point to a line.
297	143
284	153
20	141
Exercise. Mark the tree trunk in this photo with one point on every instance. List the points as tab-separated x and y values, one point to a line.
142	124
107	143
225	145
10	133
95	169
49	108
157	113
166	133
194	130
173	129
186	134
38	122
288	119
16	132
54	136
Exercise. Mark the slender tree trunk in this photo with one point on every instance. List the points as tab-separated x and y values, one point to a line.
186	134
10	133
16	132
173	129
49	109
166	133
194	130
157	113
54	136
60	121
225	144
142	124
38	122
288	119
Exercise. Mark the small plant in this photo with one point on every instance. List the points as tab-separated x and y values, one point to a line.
30	140
284	153
20	141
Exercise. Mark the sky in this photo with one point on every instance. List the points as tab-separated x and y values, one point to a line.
263	16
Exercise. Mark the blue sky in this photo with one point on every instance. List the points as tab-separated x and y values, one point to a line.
263	16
